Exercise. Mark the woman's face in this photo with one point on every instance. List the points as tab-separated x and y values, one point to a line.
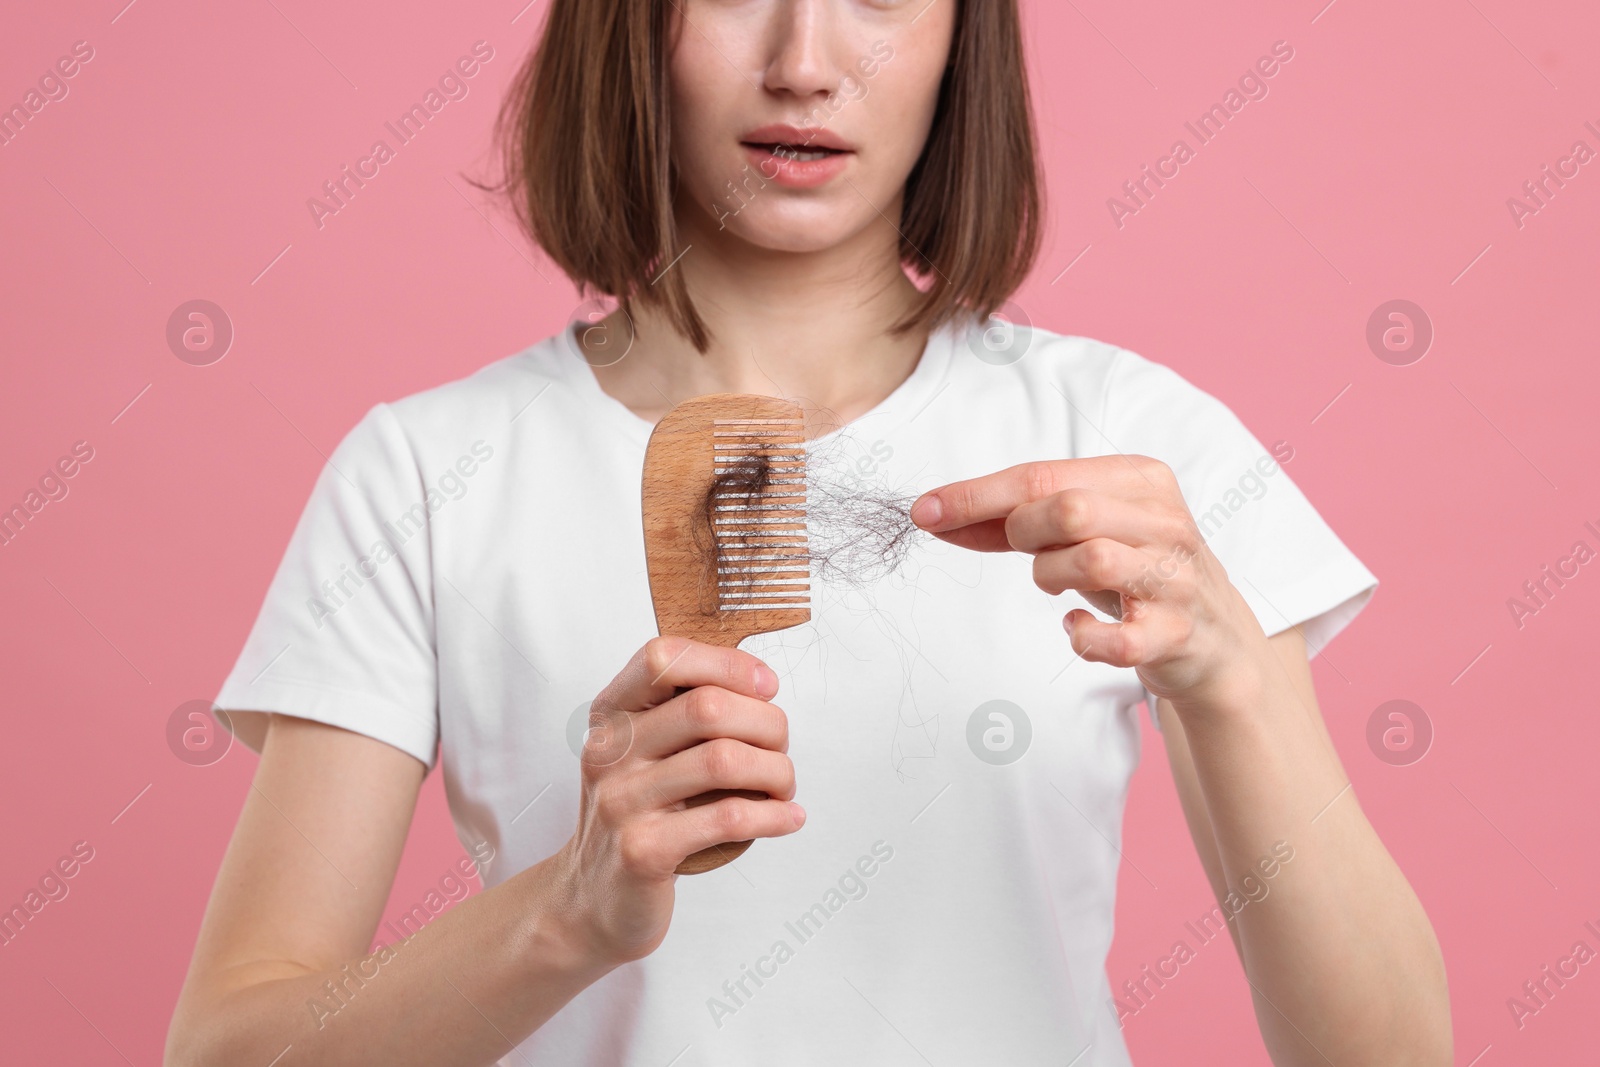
796	122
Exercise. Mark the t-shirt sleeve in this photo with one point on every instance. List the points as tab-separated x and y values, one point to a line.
345	635
1286	561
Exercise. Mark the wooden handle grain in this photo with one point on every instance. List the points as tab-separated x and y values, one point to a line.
680	467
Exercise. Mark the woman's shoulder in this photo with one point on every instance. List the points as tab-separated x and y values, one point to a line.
447	418
494	394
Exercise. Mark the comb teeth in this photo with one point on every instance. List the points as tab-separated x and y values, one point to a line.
762	555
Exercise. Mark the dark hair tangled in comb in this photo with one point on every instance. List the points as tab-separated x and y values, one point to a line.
858	533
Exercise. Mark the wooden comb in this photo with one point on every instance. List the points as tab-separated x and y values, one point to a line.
725	534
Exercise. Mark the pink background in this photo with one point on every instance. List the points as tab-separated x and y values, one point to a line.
1378	168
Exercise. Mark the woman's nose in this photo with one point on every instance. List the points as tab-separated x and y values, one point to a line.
801	60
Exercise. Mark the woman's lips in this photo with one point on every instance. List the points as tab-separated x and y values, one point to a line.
778	163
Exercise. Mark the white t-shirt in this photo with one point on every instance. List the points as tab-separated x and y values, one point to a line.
469	572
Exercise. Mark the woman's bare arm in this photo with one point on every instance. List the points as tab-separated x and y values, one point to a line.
305	879
1341	959
299	895
1342	962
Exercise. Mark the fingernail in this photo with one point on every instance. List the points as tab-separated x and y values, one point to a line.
927	511
799	814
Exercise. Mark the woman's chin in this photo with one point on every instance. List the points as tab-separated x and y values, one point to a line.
796	236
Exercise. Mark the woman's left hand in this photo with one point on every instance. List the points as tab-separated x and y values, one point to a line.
1116	530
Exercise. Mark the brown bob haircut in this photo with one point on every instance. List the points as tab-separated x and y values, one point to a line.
585	140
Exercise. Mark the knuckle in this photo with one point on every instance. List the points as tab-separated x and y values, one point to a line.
722	758
1072	509
1152	468
635	851
1098	561
608	738
706	707
1181	533
608	805
659	653
733	822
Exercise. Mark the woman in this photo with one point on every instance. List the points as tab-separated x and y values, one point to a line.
824	200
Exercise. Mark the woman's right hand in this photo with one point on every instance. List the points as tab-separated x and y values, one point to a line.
648	750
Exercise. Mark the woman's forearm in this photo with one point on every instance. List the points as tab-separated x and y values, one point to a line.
464	989
276	962
1342	961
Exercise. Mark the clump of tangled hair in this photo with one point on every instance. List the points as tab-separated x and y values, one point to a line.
858	532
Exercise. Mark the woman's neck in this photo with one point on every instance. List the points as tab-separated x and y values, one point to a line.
812	327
